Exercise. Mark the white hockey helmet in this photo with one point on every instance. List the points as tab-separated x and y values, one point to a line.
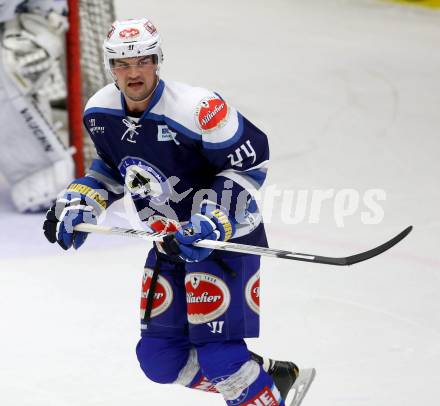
132	38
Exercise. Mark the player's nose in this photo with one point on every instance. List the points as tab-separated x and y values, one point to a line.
134	77
133	71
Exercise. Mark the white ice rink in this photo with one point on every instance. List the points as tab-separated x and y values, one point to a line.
349	94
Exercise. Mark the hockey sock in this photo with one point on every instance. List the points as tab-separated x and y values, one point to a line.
201	382
243	388
241	380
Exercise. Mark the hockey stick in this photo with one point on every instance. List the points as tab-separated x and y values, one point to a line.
251	249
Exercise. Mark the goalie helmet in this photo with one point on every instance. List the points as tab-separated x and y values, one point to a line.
132	38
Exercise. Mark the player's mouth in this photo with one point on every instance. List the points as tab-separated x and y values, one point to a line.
135	85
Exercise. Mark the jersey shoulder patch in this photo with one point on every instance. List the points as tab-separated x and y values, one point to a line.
211	113
106	100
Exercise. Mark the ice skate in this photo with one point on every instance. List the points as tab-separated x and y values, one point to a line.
300	387
292	382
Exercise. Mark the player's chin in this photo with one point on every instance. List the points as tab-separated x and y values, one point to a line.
136	95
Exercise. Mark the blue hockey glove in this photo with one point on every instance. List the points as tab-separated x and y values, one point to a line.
211	224
71	209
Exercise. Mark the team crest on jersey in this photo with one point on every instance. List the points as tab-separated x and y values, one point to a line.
207	297
129	33
163	294
211	113
252	292
144	180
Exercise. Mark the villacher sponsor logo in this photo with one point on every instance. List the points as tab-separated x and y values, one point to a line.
252	292
211	113
207	297
163	295
157	295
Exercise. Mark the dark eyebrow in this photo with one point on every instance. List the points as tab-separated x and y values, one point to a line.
119	62
125	63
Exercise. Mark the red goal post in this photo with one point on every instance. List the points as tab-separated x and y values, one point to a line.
89	22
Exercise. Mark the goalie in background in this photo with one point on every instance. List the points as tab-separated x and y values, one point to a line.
33	160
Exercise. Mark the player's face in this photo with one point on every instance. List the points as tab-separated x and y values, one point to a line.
136	77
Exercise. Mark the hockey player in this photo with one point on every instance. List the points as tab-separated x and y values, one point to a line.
32	159
192	164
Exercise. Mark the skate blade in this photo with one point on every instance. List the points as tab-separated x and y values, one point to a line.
301	386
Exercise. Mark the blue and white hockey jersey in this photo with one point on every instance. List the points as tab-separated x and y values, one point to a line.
189	145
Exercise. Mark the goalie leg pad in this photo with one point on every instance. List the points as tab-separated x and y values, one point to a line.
32	158
29	143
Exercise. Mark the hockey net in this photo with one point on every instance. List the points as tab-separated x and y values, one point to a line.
89	22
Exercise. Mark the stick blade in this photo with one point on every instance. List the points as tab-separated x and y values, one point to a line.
354	259
350	260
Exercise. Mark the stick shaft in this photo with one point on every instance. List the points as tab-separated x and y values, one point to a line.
251	249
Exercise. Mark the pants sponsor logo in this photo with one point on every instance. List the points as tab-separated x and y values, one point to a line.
252	292
163	295
207	297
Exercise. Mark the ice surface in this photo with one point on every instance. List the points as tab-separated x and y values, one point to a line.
349	94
